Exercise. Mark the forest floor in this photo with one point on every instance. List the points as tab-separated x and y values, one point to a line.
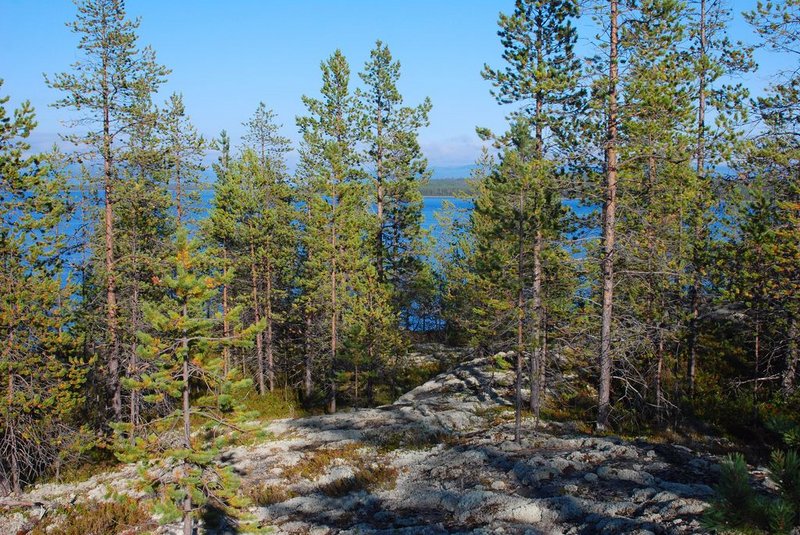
442	459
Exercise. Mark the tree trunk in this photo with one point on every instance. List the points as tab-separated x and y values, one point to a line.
379	189
257	317
111	283
16	486
699	231
536	354
226	328
268	333
609	219
543	367
659	374
178	192
520	317
792	358
334	334
187	430
757	367
309	359
133	365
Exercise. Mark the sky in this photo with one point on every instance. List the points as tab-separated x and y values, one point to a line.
227	56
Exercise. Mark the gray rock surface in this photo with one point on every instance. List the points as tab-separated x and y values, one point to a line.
445	462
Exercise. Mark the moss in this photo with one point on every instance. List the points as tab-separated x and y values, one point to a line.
94	517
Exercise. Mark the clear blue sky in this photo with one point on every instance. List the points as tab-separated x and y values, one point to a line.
228	56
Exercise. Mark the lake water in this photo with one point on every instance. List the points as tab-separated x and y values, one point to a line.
430	207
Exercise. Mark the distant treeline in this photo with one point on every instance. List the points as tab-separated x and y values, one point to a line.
444	187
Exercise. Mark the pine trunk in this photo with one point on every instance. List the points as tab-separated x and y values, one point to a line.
309	359
520	318
178	191
536	354
134	364
256	318
226	328
16	486
698	226
187	430
111	283
379	187
609	220
268	333
792	358
659	375
334	325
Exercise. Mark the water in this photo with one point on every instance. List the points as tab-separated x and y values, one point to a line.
431	206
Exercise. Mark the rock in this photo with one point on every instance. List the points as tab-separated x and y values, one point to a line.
543	474
441	466
623	474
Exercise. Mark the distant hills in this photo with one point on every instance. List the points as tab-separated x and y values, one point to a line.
444	187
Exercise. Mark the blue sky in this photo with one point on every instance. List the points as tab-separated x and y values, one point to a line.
228	56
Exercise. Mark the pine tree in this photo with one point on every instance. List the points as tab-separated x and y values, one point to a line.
656	195
541	75
271	239
188	373
184	150
143	224
774	158
715	59
263	137
38	359
220	229
334	196
266	239
397	167
104	88
609	195
514	204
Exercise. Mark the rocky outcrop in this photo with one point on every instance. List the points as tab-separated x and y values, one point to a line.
442	460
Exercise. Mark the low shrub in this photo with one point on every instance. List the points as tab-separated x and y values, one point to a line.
96	518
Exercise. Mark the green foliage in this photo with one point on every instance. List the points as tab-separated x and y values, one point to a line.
740	509
273	405
393	151
188	375
736	506
184	149
43	371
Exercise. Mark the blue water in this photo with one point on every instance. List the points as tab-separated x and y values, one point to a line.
432	206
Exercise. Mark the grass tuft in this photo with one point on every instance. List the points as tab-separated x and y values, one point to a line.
316	462
364	479
96	518
264	495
